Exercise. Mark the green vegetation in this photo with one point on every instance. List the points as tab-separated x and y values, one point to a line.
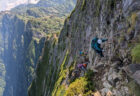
30	60
111	4
83	5
77	87
132	21
41	70
69	16
97	4
62	75
61	91
57	74
83	85
134	88
136	54
47	24
46	7
31	52
31	24
41	73
90	85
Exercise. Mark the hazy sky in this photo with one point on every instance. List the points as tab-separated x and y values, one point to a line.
8	4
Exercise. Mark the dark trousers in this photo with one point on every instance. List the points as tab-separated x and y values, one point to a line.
100	53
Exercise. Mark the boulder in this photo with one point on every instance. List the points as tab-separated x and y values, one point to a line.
133	70
136	76
106	92
106	84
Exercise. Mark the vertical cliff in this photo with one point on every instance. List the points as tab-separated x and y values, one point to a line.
23	32
2	66
22	48
116	74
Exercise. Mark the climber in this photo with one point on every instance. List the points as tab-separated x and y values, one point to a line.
82	66
96	43
83	53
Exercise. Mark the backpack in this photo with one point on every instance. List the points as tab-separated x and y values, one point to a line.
85	65
94	41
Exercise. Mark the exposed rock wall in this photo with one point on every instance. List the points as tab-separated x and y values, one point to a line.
116	20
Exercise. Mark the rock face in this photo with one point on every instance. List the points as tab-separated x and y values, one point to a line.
116	20
133	70
21	53
136	76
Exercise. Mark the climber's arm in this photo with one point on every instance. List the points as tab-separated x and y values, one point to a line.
103	40
97	47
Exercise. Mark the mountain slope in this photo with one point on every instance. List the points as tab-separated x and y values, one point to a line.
115	20
9	4
24	33
46	7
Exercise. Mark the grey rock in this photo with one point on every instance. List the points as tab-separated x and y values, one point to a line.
116	92
132	68
99	65
115	64
106	84
104	79
118	85
104	91
136	76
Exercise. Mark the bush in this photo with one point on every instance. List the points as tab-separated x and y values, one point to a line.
90	85
134	88
77	87
83	85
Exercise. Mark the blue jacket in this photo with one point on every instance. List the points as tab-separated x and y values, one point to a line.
95	45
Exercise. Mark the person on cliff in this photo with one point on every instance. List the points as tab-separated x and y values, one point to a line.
82	53
96	45
82	66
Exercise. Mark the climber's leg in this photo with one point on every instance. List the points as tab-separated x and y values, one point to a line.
83	69
100	53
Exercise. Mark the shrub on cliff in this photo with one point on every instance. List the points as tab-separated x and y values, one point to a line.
83	85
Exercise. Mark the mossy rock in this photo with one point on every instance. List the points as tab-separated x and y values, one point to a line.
58	88
132	21
83	5
135	53
98	5
134	88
